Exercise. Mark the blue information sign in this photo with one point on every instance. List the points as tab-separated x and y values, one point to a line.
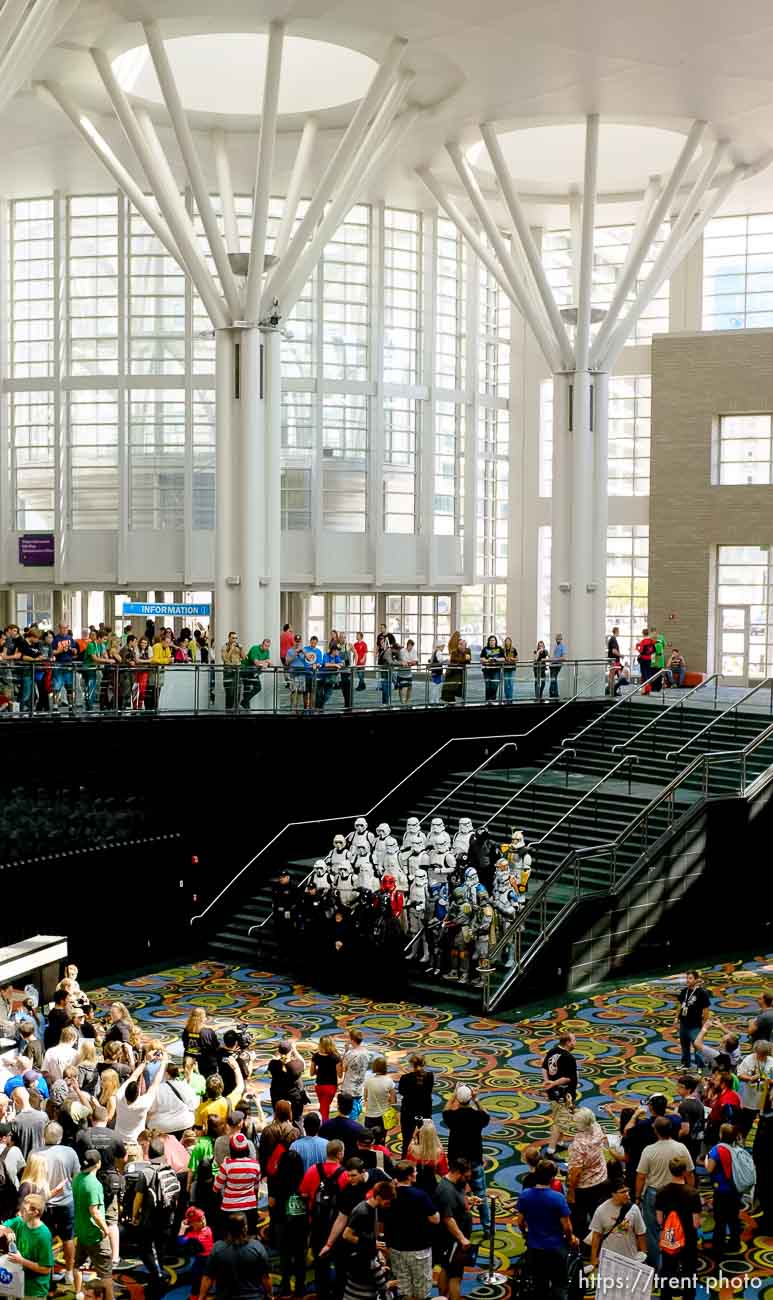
174	611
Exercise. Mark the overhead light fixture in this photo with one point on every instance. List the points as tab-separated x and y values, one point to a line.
240	263
569	315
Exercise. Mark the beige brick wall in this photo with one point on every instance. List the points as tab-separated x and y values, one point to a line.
695	378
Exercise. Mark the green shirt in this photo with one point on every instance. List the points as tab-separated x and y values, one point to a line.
93	649
87	1191
197	1083
202	1149
659	657
254	653
34	1244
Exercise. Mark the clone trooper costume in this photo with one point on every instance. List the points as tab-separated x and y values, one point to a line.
416	908
485	930
338	855
378	852
472	888
461	949
507	903
414	837
359	838
461	840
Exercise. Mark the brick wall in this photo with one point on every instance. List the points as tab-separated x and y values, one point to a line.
696	378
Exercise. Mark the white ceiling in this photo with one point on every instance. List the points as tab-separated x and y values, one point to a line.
519	62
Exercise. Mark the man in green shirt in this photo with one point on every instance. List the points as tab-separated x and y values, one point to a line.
91	1237
34	1248
94	655
256	661
659	657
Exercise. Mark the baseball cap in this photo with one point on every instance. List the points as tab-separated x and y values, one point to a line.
91	1159
238	1144
463	1093
195	1215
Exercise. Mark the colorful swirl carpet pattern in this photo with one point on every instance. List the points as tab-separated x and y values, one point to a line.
626	1047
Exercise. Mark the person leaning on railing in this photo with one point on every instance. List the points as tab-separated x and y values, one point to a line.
459	657
231	656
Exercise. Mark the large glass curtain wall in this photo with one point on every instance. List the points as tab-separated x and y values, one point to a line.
396	374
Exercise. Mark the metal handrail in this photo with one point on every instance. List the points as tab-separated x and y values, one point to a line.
675	753
630	758
318	821
534	780
638	690
510	744
663	713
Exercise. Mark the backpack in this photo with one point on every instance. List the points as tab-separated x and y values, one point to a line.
744	1172
273	1162
672	1238
324	1207
159	1187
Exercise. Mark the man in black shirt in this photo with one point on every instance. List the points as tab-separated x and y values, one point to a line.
58	1017
98	1137
409	1225
692	1113
559	1081
343	1126
465	1121
694	1005
453	1238
26	653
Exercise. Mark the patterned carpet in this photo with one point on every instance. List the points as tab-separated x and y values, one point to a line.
625	1045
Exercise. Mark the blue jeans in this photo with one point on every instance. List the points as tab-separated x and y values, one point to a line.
509	681
687	1037
554	671
478	1188
675	676
653	1228
89	688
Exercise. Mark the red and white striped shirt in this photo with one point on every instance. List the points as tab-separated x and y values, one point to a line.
238	1180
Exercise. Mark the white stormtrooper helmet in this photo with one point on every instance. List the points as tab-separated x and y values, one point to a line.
339	841
417	874
436	825
319	876
383	830
518	840
361	825
465	826
412	826
391	845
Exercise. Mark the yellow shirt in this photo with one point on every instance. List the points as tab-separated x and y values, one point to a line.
162	654
217	1106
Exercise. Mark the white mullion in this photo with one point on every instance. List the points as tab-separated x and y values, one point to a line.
426	447
188	421
317	480
375	493
61	363
7	476
472	280
122	404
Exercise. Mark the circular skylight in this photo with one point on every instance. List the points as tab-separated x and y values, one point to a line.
223	72
554	155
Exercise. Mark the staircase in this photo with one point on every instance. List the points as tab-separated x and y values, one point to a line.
583	792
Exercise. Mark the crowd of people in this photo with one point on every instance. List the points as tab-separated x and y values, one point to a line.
444	901
654	668
42	671
111	1149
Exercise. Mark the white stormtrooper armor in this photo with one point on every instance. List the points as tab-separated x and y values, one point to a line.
414	836
378	852
417	909
393	865
320	877
360	837
461	841
338	855
368	881
345	884
439	838
438	866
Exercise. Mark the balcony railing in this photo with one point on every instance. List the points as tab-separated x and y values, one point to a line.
45	689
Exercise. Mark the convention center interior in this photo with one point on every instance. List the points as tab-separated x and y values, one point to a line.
386	650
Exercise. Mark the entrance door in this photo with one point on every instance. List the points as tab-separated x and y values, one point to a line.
734	643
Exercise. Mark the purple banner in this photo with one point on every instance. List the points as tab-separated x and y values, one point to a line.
36	549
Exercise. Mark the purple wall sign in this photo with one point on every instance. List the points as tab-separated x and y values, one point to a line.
36	549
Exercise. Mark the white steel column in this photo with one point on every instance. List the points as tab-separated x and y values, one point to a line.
225	612
272	493
560	538
252	466
600	518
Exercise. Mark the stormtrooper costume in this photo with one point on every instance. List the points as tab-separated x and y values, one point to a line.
507	903
461	840
345	885
414	837
320	878
416	908
378	852
338	855
393	863
359	838
368	882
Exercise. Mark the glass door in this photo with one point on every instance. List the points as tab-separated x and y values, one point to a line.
734	643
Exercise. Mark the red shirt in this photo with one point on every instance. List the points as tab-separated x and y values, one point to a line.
203	1236
286	639
727	1098
310	1183
360	648
440	1166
